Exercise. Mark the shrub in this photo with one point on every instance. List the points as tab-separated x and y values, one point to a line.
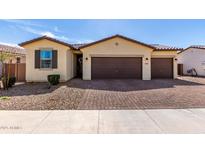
12	81
7	83
53	79
4	98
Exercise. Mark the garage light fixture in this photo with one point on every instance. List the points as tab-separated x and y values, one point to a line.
146	60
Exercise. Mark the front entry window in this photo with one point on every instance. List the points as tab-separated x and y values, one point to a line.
46	59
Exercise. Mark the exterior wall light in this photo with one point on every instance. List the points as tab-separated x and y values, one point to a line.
86	58
146	60
175	59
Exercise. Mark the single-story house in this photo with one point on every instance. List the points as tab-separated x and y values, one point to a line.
17	54
113	57
193	57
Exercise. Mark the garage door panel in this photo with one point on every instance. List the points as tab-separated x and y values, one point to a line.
161	68
116	67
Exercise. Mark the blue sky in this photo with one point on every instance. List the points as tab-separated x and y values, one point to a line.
179	33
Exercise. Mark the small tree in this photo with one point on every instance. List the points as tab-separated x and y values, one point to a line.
5	57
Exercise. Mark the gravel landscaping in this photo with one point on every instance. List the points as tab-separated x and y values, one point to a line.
38	97
186	92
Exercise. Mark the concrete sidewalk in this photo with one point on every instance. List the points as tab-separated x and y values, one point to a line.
104	121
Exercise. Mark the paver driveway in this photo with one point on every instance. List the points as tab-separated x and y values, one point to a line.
186	92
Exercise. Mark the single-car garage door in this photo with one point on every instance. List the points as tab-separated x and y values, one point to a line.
116	67
161	68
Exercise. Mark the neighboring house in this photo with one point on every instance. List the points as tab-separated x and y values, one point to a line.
17	52
113	57
193	57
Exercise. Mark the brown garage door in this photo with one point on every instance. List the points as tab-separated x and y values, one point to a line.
116	67
162	68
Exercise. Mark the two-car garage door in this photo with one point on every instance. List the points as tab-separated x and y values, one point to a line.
116	67
129	67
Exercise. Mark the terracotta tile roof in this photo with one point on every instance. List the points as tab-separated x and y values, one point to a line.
197	46
193	46
159	47
120	36
12	49
76	46
48	38
156	47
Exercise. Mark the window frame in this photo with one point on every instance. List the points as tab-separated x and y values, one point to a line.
51	59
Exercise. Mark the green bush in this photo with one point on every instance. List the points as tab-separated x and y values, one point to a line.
12	81
53	79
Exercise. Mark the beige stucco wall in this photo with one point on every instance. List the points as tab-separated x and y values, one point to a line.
167	54
67	58
64	61
124	48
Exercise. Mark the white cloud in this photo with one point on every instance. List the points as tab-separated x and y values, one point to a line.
24	22
29	27
39	32
48	34
56	29
30	30
64	38
10	44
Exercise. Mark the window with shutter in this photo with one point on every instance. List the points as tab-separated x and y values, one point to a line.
37	59
46	59
55	59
